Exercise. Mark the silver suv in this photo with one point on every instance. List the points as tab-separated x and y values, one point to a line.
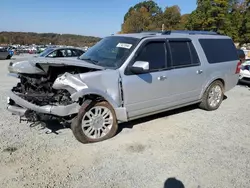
125	77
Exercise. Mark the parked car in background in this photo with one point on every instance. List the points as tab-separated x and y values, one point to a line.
242	55
40	49
62	52
4	53
125	77
244	76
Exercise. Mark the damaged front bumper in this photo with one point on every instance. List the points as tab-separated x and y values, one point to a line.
19	106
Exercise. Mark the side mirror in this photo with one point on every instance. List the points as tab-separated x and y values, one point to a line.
140	67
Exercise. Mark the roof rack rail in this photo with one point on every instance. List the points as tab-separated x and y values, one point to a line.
188	32
152	32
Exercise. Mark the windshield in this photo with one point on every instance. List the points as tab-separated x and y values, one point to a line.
110	52
46	52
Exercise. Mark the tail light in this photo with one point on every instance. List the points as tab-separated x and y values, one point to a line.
237	71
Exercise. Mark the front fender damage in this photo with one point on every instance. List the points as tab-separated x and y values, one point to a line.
80	90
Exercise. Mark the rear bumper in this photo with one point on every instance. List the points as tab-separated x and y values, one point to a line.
244	80
20	106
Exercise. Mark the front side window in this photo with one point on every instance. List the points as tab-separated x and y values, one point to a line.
74	53
80	52
46	52
58	53
110	52
154	53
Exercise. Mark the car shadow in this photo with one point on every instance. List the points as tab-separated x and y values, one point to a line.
54	126
243	85
225	97
131	124
173	183
51	126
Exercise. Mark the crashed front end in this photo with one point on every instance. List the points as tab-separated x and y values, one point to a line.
47	90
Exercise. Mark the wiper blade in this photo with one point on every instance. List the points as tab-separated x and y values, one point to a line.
91	60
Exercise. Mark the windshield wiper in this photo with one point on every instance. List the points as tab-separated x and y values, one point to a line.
91	60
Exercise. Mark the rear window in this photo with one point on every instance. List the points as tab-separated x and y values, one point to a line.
219	50
180	54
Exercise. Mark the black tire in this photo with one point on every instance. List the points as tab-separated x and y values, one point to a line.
8	57
76	125
205	104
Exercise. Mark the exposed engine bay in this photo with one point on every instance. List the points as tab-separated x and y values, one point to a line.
38	90
57	88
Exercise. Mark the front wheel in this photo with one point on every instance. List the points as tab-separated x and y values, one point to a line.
213	96
95	124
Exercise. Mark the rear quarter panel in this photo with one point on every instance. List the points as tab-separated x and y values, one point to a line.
224	71
221	70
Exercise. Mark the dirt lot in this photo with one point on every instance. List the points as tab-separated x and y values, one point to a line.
198	148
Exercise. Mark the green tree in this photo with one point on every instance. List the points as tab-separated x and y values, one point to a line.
183	22
235	16
217	16
245	28
152	8
138	20
45	38
146	15
171	17
210	15
196	20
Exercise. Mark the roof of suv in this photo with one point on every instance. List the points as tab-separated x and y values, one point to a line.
174	34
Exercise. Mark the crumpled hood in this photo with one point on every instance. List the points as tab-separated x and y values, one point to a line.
34	65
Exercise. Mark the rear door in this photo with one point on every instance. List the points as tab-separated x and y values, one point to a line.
187	74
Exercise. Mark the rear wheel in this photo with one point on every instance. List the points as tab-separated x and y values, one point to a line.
96	124
8	57
213	96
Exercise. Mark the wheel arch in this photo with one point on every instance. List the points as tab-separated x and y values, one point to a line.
211	82
121	112
94	94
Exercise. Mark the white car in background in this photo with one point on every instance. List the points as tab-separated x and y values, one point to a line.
244	76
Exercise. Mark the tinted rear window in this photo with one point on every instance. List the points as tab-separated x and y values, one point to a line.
180	54
219	50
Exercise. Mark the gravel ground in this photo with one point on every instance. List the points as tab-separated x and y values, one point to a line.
198	148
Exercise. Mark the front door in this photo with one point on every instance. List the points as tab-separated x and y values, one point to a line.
145	93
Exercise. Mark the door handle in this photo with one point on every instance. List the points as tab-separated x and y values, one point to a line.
199	71
161	78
